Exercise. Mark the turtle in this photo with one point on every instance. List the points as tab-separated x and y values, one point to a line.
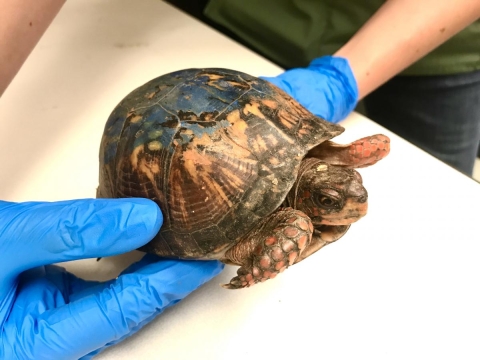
241	171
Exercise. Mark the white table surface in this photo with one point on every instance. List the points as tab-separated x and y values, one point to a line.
402	284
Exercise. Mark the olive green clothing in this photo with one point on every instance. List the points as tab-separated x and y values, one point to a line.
293	32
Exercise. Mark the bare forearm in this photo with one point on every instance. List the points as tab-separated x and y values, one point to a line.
400	33
22	24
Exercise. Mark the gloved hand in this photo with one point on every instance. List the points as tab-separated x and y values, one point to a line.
48	313
327	87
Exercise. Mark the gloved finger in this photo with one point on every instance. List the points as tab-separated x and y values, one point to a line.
64	282
53	284
81	288
39	233
93	321
132	332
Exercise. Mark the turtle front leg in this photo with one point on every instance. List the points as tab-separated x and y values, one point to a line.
322	236
270	248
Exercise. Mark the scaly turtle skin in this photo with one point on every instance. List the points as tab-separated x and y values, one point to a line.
240	170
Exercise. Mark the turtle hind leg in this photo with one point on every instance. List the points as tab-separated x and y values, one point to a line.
360	153
270	248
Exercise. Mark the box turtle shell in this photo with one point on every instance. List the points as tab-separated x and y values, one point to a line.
241	171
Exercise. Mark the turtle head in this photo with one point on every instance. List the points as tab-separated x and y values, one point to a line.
329	194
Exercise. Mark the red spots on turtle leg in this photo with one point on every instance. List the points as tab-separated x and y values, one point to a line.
277	254
272	240
367	151
302	242
288	246
291	231
267	274
265	262
302	224
280	243
292	257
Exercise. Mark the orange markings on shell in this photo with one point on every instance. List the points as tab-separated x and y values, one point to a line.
282	269
292	257
256	271
249	277
265	262
307	194
288	246
280	265
310	227
290	231
277	254
271	241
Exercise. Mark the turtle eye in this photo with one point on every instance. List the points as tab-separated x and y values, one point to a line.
327	202
329	199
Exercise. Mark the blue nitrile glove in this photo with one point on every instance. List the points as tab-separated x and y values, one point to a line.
48	313
327	87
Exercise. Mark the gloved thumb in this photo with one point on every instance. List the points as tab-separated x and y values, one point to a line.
108	312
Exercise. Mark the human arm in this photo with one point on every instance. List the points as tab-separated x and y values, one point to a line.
46	312
22	24
398	34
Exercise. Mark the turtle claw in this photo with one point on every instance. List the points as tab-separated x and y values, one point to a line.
243	279
235	283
